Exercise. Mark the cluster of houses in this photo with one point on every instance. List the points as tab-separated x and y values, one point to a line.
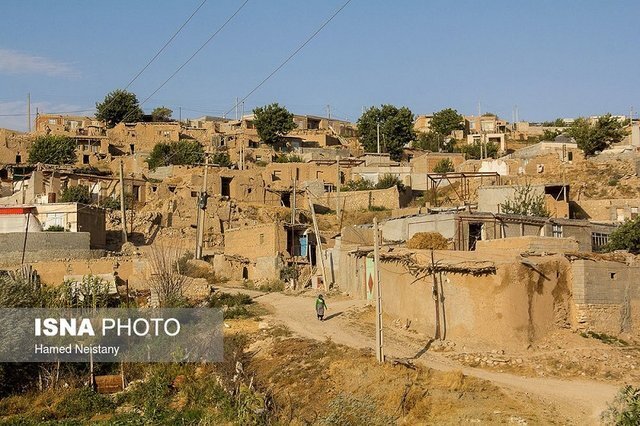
462	205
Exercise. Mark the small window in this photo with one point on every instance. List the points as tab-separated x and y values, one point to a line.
172	189
18	159
570	156
154	188
85	159
132	148
612	275
194	194
556	230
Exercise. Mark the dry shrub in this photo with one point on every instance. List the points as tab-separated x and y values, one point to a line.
428	240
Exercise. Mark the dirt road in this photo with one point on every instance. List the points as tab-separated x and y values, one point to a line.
581	400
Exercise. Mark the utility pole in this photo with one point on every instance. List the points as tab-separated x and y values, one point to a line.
29	111
318	240
479	110
436	296
123	211
180	114
376	284
378	136
329	112
237	102
202	207
293	233
338	182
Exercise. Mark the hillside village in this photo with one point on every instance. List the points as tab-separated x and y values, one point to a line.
490	243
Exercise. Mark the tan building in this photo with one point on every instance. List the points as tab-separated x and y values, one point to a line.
422	123
74	217
426	162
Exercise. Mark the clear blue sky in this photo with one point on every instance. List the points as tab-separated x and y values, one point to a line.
552	58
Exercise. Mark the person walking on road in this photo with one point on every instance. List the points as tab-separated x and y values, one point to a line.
320	307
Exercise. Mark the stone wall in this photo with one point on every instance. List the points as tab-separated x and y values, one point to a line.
44	246
606	296
253	242
389	198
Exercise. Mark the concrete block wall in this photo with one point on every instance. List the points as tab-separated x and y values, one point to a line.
44	246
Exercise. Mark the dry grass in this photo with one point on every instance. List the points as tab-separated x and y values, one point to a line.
428	240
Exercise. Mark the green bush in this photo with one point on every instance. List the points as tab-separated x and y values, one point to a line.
83	403
291	158
52	149
187	152
625	409
76	194
389	180
444	166
110	203
55	228
626	237
358	185
221	159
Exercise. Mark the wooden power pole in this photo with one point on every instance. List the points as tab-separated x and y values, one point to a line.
123	210
376	284
202	206
318	240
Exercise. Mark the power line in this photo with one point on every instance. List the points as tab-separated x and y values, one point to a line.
292	55
23	114
165	45
197	51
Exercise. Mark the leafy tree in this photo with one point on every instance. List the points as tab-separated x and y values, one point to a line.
558	122
161	114
626	237
52	149
76	194
396	129
446	121
221	159
472	151
273	122
434	142
525	202
444	166
184	152
388	180
549	135
592	138
358	185
625	409
119	106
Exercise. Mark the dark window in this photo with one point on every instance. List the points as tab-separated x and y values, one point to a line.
598	241
475	234
85	159
132	148
286	199
18	159
570	156
225	186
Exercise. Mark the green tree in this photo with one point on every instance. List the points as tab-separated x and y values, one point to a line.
525	202
444	166
388	180
184	152
273	122
446	121
472	151
549	135
161	114
76	194
434	142
52	149
626	237
396	129
221	159
625	408
558	122
119	106
598	136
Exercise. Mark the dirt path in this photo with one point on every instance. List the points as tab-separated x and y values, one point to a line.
582	400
